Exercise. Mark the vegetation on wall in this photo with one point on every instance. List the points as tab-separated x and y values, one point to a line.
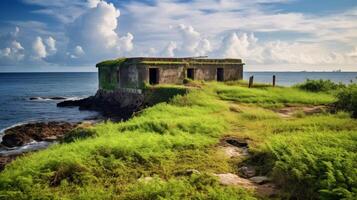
111	63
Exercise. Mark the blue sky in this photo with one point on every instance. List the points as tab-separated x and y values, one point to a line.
269	35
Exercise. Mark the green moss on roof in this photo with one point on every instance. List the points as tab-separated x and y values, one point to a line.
111	63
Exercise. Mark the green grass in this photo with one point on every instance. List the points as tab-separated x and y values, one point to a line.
309	156
272	97
111	63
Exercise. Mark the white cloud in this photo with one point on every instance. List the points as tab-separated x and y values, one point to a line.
95	32
234	46
14	51
93	3
353	53
77	52
192	42
51	44
169	50
125	43
278	52
39	49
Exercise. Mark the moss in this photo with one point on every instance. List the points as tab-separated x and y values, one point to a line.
112	63
163	93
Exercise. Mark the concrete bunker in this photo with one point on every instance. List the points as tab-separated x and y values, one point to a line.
132	74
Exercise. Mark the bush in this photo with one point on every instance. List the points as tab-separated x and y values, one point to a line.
347	99
319	85
316	165
78	134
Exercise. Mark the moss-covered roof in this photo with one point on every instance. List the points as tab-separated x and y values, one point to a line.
111	63
167	61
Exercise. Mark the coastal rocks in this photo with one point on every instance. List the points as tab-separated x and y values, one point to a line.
21	135
5	160
115	104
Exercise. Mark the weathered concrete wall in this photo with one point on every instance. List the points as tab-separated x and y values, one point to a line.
134	72
206	72
232	73
107	77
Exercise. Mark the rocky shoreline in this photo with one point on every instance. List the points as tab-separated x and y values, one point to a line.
117	105
26	135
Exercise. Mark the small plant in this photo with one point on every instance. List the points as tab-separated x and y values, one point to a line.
347	99
78	134
319	85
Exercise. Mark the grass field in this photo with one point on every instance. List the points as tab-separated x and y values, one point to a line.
308	156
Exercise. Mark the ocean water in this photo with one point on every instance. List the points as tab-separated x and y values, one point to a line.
291	78
16	89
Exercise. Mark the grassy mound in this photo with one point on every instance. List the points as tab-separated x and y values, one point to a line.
147	156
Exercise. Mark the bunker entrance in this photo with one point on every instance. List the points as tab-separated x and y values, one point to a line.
220	74
153	76
191	73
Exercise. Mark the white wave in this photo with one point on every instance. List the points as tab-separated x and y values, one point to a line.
55	98
32	146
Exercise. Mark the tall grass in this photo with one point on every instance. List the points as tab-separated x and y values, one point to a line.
310	157
272	97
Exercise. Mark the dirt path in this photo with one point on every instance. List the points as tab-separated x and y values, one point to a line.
291	111
238	148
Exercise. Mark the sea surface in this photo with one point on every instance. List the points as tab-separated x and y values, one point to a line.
16	89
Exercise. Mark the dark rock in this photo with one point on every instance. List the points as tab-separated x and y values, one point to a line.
187	172
4	160
113	104
260	179
21	135
237	142
247	171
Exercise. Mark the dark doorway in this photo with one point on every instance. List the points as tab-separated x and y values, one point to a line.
153	76
220	74
191	73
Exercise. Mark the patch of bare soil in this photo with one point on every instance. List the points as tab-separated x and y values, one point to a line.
265	189
289	112
234	148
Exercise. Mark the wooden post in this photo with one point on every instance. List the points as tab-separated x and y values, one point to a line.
251	79
274	80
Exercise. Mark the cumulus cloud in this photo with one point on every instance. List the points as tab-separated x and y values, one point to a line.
248	47
39	48
51	44
238	46
190	43
15	52
193	43
169	50
77	52
93	3
95	32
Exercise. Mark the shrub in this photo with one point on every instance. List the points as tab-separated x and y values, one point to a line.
77	134
347	99
316	165
319	85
